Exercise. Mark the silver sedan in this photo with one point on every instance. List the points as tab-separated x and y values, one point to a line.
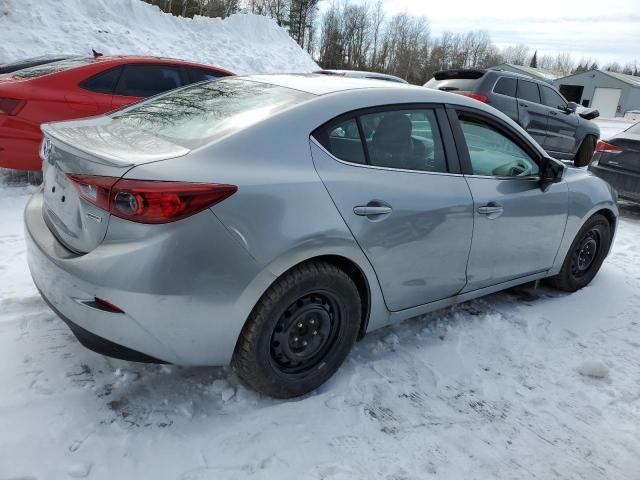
271	221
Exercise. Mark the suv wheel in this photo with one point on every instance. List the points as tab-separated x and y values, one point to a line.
585	152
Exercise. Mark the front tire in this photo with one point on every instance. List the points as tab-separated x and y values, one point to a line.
585	152
299	332
585	256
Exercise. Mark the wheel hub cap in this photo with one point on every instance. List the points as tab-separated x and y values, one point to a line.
585	253
304	333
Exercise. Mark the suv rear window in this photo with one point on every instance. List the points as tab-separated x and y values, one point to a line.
197	115
49	68
506	86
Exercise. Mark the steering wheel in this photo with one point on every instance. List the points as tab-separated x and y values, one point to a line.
517	168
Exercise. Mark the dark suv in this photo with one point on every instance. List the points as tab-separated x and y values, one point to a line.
534	104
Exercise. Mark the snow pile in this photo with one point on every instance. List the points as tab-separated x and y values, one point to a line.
241	43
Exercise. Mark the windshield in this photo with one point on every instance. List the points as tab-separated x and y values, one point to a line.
55	67
196	115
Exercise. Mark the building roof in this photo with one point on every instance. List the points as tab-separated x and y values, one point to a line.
531	71
623	77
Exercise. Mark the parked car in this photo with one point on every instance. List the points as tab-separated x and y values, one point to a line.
270	221
31	62
617	160
535	105
80	87
362	74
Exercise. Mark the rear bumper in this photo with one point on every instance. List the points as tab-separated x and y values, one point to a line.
626	184
184	301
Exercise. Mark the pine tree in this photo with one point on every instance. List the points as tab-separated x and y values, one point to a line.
534	60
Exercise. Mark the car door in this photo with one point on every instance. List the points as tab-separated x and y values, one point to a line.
518	226
143	80
532	115
562	126
393	174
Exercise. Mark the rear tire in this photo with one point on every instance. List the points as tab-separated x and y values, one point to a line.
585	152
585	256
300	331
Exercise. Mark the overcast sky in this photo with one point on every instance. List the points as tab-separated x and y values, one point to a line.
606	30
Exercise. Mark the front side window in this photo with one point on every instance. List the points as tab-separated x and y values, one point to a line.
197	115
528	91
493	154
148	80
404	139
551	98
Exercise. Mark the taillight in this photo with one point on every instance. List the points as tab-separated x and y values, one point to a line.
11	106
475	96
149	201
604	147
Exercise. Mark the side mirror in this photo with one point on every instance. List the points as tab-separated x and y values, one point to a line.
551	171
571	107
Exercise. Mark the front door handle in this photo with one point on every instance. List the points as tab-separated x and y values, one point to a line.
491	210
524	105
371	210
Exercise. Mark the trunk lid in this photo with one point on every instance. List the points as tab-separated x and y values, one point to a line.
629	158
90	147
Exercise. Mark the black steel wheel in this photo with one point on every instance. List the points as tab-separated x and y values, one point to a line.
305	331
585	256
300	331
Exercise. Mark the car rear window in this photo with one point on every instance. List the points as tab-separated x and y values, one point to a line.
49	68
453	85
199	114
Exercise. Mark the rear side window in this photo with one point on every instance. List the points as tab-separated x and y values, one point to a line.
202	74
506	86
343	140
551	98
148	80
197	115
399	139
55	67
104	82
528	91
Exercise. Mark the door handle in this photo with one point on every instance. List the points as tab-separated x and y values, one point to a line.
371	210
491	210
553	113
524	105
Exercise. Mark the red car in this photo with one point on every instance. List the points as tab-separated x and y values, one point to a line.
80	87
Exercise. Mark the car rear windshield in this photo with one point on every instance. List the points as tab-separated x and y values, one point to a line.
454	84
55	67
197	115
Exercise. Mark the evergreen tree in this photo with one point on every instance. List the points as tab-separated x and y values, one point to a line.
534	60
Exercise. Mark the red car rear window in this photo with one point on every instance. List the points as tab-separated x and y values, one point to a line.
55	67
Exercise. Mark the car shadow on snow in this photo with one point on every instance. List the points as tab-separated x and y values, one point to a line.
144	395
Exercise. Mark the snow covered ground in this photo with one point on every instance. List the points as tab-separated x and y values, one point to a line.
241	43
610	126
529	383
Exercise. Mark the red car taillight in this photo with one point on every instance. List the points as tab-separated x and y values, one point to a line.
11	106
149	201
476	96
604	147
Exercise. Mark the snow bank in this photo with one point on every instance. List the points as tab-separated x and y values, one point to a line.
241	43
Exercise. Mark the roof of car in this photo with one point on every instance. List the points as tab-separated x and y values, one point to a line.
319	84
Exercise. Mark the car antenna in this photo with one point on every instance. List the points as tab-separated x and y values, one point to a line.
96	54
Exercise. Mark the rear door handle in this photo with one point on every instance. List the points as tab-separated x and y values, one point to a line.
370	210
491	210
524	105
